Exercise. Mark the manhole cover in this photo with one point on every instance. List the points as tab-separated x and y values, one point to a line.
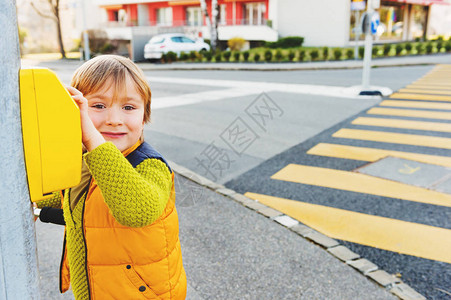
411	172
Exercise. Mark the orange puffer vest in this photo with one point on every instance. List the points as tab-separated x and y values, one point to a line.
131	263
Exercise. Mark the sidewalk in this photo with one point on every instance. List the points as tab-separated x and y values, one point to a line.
319	65
232	252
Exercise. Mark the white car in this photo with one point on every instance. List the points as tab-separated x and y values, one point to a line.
175	42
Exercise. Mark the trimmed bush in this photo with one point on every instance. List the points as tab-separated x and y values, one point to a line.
361	52
375	51
227	55
218	57
246	55
398	49
183	56
409	47
286	42
193	55
326	53
268	55
429	47
171	56
314	54
236	56
349	53
301	55
208	55
236	43
387	49
256	57
278	56
439	45
419	47
337	54
291	55
448	46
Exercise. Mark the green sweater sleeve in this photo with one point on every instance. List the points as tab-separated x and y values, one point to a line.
54	202
135	197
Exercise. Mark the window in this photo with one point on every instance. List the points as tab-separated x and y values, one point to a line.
164	16
222	14
254	13
193	16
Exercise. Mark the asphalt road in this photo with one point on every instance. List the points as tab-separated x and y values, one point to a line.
184	133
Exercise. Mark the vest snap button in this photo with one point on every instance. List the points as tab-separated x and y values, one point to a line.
142	288
129	267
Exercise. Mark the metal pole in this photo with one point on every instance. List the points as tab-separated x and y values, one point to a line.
18	256
85	32
367	53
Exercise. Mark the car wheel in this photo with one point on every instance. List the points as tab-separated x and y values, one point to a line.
203	49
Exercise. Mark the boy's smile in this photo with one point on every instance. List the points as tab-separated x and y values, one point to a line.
118	117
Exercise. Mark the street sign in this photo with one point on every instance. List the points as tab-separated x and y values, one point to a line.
358	5
370	22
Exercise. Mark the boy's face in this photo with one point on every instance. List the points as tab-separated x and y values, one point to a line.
120	121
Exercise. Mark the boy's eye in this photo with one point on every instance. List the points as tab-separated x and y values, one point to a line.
99	106
128	107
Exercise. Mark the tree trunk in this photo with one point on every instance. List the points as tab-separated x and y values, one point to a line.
214	25
60	36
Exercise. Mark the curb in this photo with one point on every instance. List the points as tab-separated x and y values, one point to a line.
370	270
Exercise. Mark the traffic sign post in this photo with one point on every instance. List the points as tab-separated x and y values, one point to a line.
370	23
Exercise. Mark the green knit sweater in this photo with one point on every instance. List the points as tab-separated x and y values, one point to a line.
136	197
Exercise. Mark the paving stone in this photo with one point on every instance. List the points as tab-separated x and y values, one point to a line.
286	221
383	278
254	205
363	265
269	212
343	253
323	240
405	292
227	192
240	198
302	229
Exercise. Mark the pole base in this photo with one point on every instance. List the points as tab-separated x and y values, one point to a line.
370	93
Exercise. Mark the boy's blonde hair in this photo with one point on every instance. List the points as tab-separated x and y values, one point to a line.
95	73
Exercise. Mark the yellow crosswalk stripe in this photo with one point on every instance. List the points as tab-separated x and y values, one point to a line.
420	97
410	113
360	183
416	104
427	86
406	124
424	91
389	234
395	138
374	154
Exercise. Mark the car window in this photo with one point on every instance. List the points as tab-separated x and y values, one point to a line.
156	40
176	39
187	40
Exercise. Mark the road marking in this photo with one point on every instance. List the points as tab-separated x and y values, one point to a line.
360	183
408	170
395	138
420	97
424	91
323	90
186	99
389	234
374	154
410	113
416	104
406	124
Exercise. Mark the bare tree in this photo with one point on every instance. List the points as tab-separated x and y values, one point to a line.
55	16
212	23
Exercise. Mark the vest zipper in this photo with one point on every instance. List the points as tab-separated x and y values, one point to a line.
84	238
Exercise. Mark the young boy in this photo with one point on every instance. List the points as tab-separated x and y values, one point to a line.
121	239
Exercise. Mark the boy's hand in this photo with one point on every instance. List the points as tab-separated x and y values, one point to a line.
91	138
